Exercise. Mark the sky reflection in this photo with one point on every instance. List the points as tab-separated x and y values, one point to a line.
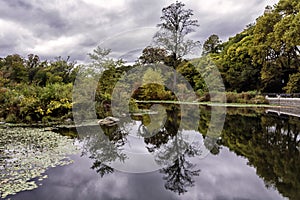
222	176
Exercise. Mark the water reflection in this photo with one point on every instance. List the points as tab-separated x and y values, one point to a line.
103	148
269	142
180	175
161	136
271	145
256	157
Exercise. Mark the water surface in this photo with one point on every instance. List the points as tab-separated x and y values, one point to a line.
255	157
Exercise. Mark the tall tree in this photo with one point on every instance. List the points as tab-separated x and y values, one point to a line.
176	24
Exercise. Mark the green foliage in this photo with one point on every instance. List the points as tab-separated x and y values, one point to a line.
153	55
34	90
153	87
28	103
293	86
101	60
15	69
212	45
250	97
192	75
265	55
235	63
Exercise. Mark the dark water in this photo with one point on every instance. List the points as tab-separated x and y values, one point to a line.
256	156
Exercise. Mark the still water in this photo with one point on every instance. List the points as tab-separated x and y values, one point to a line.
255	156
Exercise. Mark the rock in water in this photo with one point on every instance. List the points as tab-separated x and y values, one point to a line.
109	121
114	119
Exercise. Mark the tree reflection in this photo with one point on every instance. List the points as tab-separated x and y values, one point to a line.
171	149
167	144
101	168
168	131
179	176
104	147
271	144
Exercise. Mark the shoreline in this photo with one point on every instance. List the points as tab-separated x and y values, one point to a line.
237	105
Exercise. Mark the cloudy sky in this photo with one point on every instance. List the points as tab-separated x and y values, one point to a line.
75	27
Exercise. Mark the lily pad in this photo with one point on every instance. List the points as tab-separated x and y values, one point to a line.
27	153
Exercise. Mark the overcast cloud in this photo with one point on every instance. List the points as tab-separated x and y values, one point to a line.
75	27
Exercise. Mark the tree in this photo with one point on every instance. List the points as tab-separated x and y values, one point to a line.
13	68
153	55
293	86
175	24
276	44
192	75
153	87
101	60
212	45
236	64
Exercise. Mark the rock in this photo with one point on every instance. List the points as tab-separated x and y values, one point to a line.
109	121
114	119
68	121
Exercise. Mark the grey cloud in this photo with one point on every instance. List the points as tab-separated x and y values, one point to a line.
38	20
89	25
18	4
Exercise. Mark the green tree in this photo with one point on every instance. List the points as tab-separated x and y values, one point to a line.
212	45
153	55
13	68
236	64
153	87
276	44
101	59
193	76
293	86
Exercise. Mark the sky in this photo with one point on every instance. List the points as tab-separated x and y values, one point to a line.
75	27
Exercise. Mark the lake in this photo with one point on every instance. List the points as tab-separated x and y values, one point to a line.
160	153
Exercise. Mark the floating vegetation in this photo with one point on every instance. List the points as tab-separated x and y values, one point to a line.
26	154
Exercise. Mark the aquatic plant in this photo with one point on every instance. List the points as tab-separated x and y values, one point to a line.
26	154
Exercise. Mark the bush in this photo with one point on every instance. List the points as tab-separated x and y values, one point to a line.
11	118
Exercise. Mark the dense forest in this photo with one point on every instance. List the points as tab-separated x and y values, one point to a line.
263	58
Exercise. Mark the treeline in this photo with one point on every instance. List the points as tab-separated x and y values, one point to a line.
265	56
33	90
